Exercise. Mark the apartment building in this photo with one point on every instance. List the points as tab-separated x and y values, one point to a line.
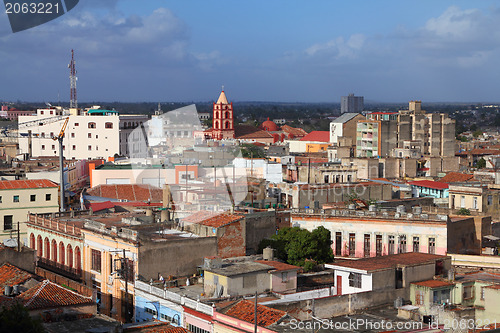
92	134
18	198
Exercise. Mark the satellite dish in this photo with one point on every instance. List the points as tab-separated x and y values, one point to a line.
11	242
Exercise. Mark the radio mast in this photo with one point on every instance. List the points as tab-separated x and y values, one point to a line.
72	80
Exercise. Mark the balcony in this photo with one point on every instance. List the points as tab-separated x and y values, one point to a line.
69	272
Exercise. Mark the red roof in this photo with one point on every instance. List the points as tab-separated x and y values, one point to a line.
278	266
294	131
156	327
319	136
20	184
48	295
379	112
453	177
245	310
135	192
220	220
433	283
390	261
429	184
98	206
198	217
269	125
11	275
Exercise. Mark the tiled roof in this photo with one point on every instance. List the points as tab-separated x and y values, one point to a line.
479	151
245	310
495	286
11	275
453	177
20	184
48	295
198	217
135	192
260	134
278	266
295	131
156	327
429	184
319	136
390	261
98	206
433	283
221	220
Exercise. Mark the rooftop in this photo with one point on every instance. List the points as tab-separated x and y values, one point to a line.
245	310
319	136
434	283
11	275
278	266
478	276
26	184
48	295
454	177
220	220
344	118
389	261
238	268
429	184
135	192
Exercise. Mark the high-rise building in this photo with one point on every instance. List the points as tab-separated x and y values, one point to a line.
351	103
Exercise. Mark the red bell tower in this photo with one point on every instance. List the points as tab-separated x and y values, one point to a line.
223	120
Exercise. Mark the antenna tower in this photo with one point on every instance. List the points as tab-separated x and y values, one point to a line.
72	80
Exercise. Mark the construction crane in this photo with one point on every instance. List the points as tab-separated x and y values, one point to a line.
59	138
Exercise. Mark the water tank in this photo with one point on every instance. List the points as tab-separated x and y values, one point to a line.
8	290
268	253
398	302
417	210
15	289
401	209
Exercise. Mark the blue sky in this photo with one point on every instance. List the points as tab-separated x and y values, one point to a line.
287	51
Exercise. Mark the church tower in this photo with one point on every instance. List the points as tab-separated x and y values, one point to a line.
223	120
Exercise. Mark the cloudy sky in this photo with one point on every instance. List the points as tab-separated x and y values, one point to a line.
280	50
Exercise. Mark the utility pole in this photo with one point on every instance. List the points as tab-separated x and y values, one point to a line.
255	315
123	272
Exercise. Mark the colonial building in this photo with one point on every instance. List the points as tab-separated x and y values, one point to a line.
223	119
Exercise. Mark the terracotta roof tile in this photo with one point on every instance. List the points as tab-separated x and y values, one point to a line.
430	184
11	275
136	192
452	177
278	266
434	283
390	261
320	136
20	184
198	217
295	131
48	294
221	220
156	327
245	310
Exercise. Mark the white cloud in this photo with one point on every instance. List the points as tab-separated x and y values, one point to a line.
338	47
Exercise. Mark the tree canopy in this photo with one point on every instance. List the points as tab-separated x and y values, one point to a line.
17	319
301	247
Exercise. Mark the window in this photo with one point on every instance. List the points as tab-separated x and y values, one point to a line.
77	124
72	135
0	199
419	297
7	222
416	244
150	311
462	201
96	260
355	280
338	243
432	245
74	147
43	147
474	202
468	292
378	245
352	245
15	198
51	134
33	197
41	112
48	197
42	135
89	135
284	277
108	125
490	200
196	329
402	244
89	147
92	125
366	247
53	147
391	245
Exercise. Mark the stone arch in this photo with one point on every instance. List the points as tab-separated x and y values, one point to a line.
61	253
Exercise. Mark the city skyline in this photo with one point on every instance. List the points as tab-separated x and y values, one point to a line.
386	51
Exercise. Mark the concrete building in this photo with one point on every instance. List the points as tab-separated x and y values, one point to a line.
429	188
18	198
478	199
314	142
344	127
351	103
95	133
321	173
395	271
361	234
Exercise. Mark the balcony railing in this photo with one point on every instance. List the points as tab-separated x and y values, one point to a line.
58	268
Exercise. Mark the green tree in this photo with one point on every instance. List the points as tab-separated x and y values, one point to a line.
481	163
463	211
301	247
252	151
17	319
477	133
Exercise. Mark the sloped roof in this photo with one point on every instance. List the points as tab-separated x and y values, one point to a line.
11	275
278	266
453	177
48	295
198	217
319	136
344	118
245	310
134	192
430	184
433	283
220	220
29	183
295	131
222	98
156	327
